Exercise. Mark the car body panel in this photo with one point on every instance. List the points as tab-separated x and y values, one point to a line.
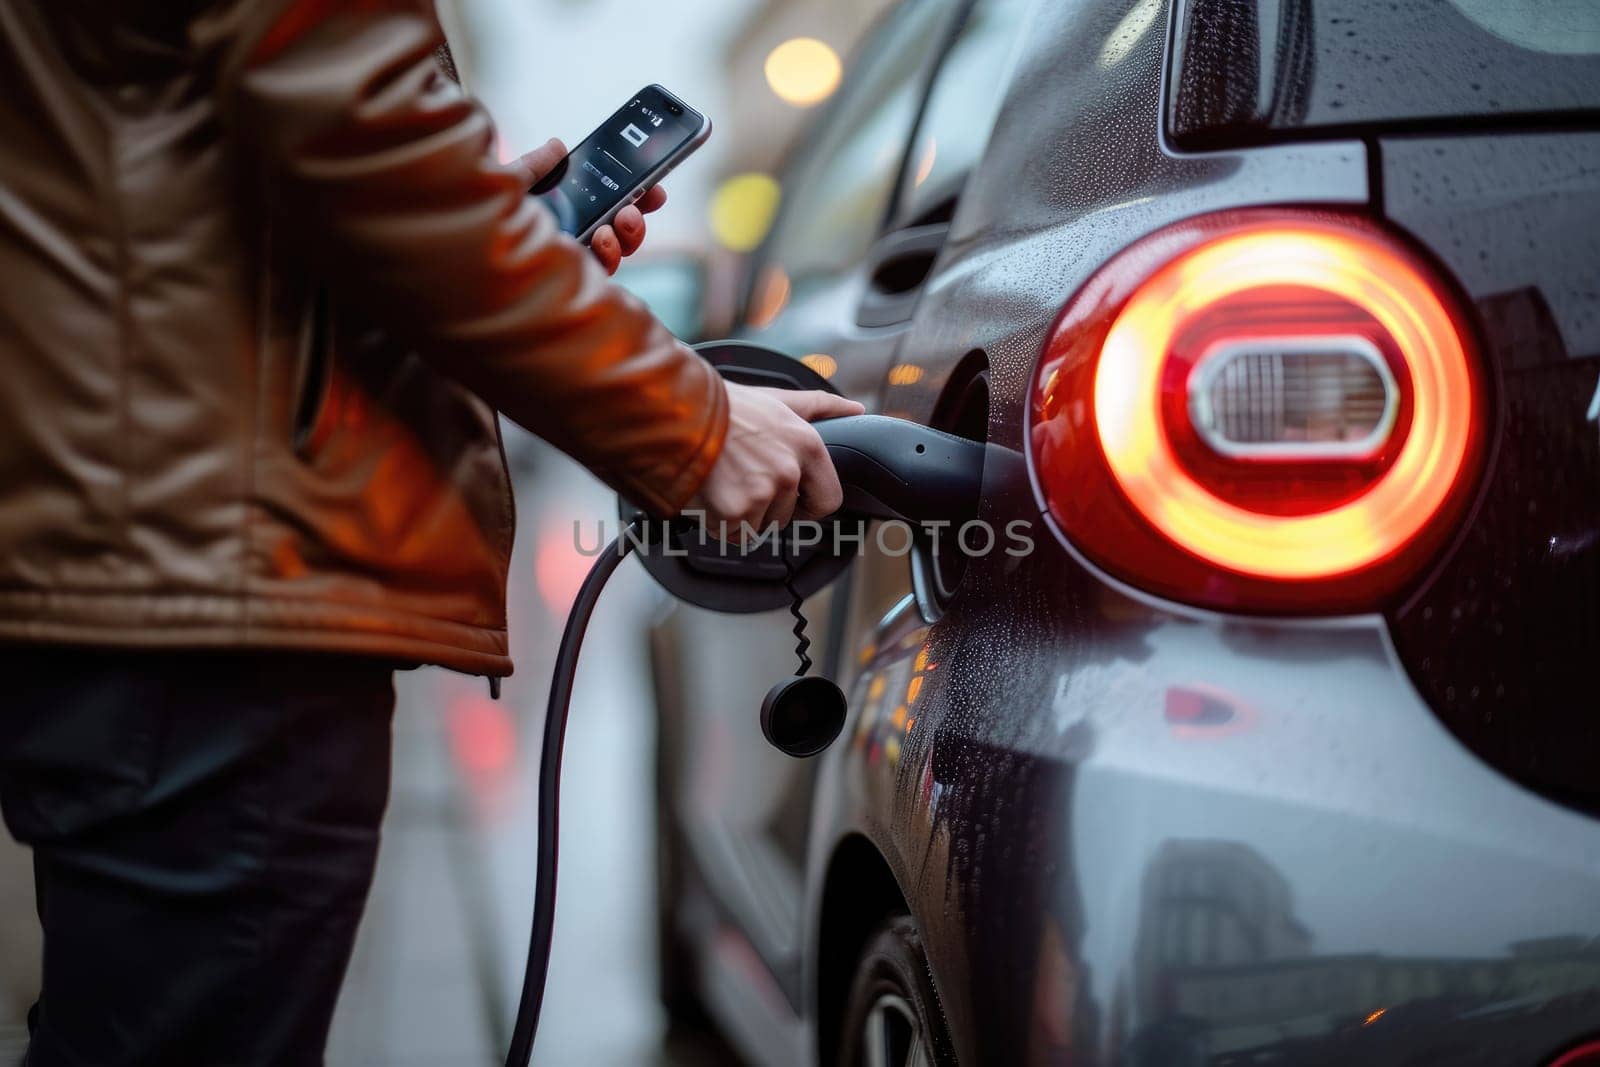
1502	638
1035	783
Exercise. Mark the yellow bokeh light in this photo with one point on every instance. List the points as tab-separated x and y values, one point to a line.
823	364
905	374
803	71
742	210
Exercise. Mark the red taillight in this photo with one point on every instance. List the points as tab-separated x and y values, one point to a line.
1266	411
1586	1055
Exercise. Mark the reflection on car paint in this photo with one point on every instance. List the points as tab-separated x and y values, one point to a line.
1224	968
1205	711
891	688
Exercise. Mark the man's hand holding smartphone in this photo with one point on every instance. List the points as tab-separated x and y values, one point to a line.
773	467
610	244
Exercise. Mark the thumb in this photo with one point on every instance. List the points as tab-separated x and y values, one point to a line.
541	161
812	405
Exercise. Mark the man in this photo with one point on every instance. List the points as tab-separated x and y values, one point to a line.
262	288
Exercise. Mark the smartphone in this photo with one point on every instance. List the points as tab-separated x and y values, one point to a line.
617	163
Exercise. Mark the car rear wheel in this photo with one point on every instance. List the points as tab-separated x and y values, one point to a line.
892	1018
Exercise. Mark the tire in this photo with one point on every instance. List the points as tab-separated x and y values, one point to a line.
893	1018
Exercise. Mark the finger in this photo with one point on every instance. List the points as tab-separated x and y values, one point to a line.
719	522
723	528
629	226
820	492
653	199
782	510
727	513
744	528
814	404
541	161
606	249
785	499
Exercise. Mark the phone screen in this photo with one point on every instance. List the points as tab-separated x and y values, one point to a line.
616	158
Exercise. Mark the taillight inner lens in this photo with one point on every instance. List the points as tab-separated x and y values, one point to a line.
1250	405
1285	400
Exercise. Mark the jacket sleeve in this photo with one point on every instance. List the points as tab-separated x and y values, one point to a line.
383	170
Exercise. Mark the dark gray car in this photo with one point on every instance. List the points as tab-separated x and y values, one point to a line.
1282	744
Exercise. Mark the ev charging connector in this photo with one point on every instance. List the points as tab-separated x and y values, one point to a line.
889	468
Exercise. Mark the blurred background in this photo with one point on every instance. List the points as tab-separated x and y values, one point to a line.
439	960
758	68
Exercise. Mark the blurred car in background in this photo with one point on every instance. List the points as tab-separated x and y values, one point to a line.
1208	776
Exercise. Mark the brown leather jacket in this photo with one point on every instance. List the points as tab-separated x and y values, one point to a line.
262	288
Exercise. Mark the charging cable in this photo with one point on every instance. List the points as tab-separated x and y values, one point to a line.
549	817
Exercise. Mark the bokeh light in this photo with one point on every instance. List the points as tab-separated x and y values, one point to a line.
930	153
824	364
770	297
905	374
742	210
482	735
559	568
803	71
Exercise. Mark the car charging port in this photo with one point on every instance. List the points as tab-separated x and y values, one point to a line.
938	565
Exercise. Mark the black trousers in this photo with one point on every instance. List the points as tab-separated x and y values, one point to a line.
204	830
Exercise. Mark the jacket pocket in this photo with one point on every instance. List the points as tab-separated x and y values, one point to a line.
313	378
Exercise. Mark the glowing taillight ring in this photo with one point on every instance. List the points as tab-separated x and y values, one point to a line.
1358	267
